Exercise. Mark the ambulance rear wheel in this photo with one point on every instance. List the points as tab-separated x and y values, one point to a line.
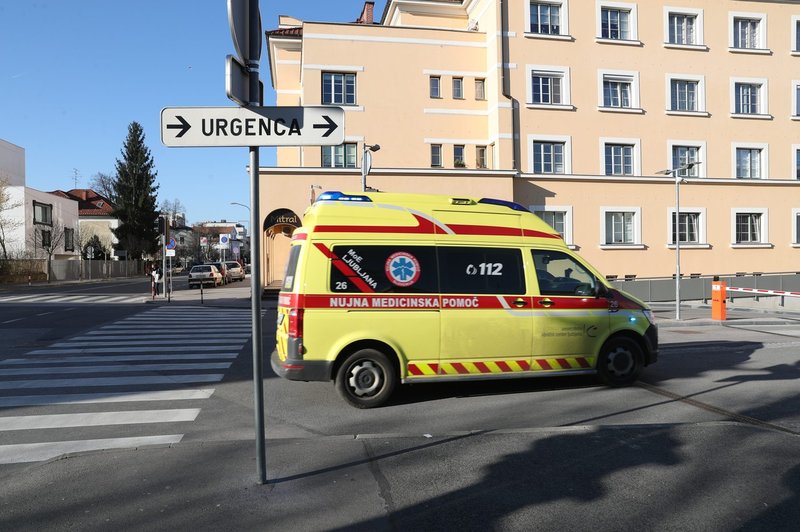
621	362
366	378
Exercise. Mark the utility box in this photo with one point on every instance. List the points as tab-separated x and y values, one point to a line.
718	300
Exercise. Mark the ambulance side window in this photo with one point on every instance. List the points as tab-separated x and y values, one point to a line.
559	274
291	267
467	270
381	269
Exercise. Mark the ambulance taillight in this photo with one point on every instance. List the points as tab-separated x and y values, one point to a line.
295	329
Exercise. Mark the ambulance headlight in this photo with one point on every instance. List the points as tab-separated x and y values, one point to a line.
649	315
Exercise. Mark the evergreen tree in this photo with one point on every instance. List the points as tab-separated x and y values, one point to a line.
135	193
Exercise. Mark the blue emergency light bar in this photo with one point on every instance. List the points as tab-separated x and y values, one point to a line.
503	203
341	196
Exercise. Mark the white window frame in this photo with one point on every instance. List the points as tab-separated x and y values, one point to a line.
633	24
333	155
701	154
764	243
480	82
438	87
631	76
458	86
751	146
794	35
763	98
701	94
567	210
565	139
699	34
563	14
637	227
441	155
795	232
637	155
344	75
795	99
702	228
549	70
795	166
762	32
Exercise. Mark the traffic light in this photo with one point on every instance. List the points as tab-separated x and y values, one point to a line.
161	225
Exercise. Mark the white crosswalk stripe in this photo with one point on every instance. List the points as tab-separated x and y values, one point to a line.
87	298
156	357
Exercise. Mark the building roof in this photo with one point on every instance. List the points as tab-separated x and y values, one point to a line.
286	32
90	203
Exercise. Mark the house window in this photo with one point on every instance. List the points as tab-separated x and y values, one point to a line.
616	92
797	163
548	157
181	240
338	88
46	239
435	85
555	219
620	228
796	85
545	88
480	157
749	228
458	88
796	36
341	156
682	28
545	18
42	213
749	163
683	95
69	239
436	155
688	228
619	159
682	155
747	33
747	98
615	23
480	89
796	226
458	156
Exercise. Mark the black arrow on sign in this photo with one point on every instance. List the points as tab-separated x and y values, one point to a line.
330	126
183	126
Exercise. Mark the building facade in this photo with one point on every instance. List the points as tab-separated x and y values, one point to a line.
570	108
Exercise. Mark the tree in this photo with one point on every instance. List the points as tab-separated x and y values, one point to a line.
99	251
7	221
104	184
135	196
172	208
48	239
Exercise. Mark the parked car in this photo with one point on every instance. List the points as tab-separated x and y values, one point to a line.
235	270
226	276
204	274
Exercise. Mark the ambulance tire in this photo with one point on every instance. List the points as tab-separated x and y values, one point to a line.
366	378
621	362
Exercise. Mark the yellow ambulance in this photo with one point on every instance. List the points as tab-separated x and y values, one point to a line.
385	288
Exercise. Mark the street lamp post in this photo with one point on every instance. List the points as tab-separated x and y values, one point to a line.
676	228
366	163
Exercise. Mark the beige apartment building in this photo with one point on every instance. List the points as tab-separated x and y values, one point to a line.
570	108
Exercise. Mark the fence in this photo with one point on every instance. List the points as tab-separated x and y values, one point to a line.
18	271
698	287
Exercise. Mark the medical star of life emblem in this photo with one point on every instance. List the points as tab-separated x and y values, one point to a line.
402	269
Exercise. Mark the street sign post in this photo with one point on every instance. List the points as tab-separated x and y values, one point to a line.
195	127
237	83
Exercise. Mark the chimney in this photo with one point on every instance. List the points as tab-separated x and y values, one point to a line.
366	16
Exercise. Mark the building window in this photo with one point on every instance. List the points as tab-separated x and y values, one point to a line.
436	155
69	239
796	87
545	88
338	88
480	157
42	213
341	156
683	95
615	23
458	156
749	228
617	92
559	217
46	239
747	98
682	155
796	34
435	85
458	88
688	227
746	33
682	28
797	163
620	227
548	157
749	163
796	227
619	159
480	89
545	18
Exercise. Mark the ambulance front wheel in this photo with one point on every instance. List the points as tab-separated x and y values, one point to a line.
621	362
366	378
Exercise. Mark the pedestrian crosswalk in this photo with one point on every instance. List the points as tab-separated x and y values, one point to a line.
138	381
77	299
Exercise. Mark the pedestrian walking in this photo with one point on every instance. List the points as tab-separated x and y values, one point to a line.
156	275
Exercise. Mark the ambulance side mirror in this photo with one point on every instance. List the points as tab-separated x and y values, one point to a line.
600	290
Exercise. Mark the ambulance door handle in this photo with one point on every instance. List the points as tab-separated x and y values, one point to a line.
519	302
546	302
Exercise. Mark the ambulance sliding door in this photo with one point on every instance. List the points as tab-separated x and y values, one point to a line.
485	313
569	318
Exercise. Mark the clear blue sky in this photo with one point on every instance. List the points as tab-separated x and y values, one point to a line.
75	73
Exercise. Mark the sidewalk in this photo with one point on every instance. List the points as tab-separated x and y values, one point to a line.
698	315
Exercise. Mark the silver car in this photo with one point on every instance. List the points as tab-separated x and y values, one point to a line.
235	270
203	274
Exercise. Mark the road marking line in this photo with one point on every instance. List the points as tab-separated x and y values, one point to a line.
97	419
145	349
169	336
112	369
115	397
157	342
109	381
37	452
12	321
114	358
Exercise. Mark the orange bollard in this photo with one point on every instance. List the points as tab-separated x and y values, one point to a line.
718	300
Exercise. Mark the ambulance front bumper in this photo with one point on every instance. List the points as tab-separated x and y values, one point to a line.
301	370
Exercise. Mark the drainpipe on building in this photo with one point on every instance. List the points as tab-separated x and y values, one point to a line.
505	78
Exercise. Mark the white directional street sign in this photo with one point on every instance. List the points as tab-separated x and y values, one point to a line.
195	127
